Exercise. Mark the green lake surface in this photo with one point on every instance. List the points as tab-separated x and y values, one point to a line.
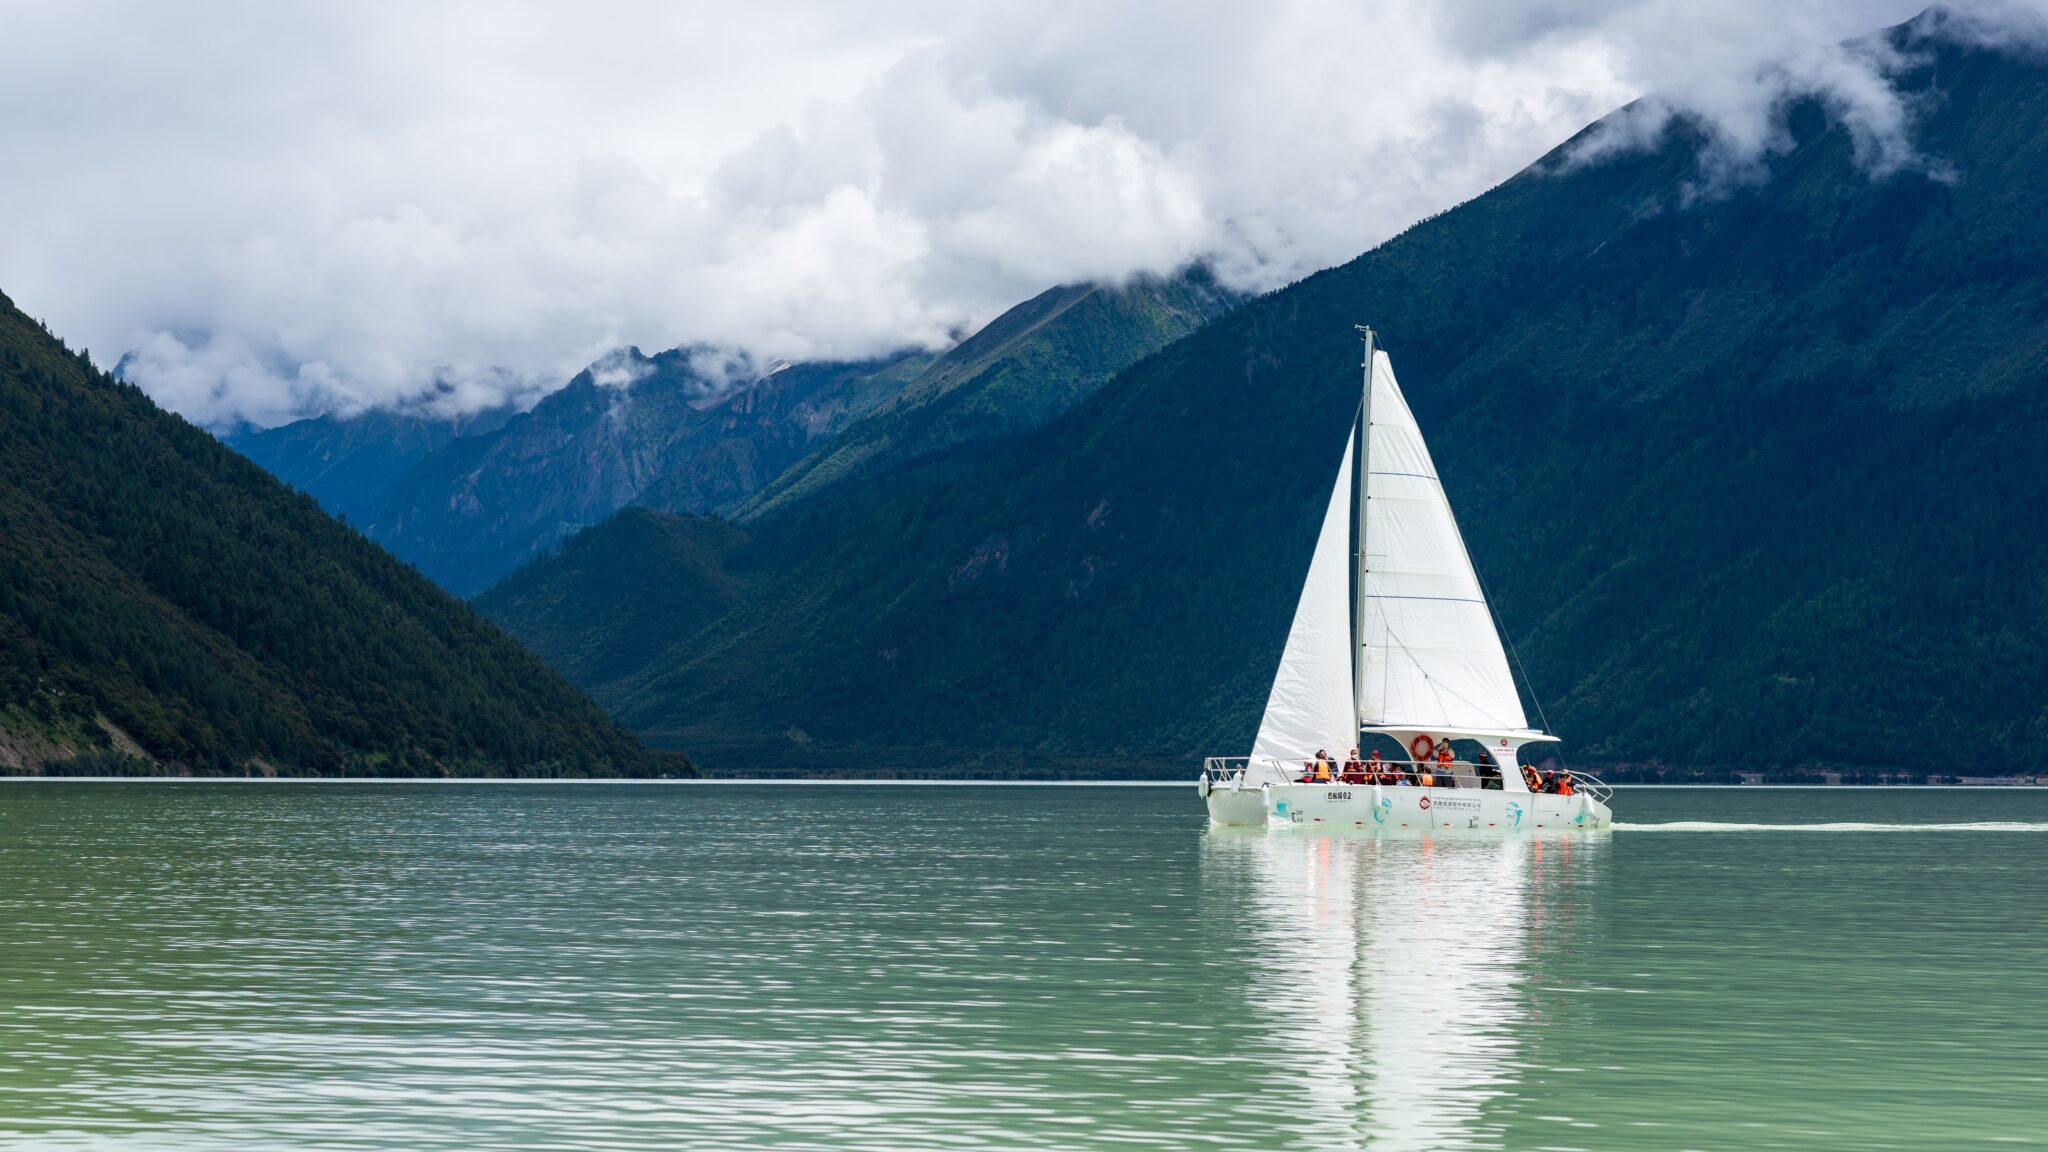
479	966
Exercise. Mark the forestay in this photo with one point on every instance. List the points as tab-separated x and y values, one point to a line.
1431	659
1311	707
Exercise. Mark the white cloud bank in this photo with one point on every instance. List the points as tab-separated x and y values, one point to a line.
285	209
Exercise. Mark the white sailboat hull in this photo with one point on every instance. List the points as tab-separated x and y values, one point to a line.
1406	809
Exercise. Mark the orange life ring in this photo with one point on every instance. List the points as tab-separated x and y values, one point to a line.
1420	747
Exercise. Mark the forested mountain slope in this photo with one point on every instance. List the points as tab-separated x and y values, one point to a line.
167	606
619	595
1750	473
1027	366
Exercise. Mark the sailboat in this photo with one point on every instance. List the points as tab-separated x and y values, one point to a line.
1393	638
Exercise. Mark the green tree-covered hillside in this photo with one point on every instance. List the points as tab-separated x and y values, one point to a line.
167	606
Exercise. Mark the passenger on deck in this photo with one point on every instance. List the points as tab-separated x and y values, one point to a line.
1443	764
1354	770
1376	771
1565	786
1550	781
1322	770
1531	779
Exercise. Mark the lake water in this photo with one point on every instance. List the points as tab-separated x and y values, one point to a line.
349	966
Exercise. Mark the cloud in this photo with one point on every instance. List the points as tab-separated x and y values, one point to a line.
620	368
1743	114
291	209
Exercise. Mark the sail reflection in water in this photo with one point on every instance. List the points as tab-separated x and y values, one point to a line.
1400	977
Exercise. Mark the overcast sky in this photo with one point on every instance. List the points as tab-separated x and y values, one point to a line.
285	209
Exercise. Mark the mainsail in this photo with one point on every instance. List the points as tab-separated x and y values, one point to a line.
1430	658
1310	707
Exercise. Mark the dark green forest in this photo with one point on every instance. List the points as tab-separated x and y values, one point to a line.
168	607
1752	472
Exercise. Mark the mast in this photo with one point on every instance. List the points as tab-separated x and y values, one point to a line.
1361	456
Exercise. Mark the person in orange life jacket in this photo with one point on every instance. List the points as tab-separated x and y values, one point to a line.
1376	772
1530	778
1443	760
1354	770
1322	767
1565	787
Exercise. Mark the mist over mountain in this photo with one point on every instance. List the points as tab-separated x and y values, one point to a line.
166	607
1743	458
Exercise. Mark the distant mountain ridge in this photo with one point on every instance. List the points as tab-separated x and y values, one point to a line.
166	606
349	463
483	505
660	432
1749	478
1026	367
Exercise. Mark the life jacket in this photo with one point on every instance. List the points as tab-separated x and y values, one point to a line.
1322	771
1428	779
1564	785
1530	778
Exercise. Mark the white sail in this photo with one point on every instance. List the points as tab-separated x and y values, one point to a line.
1431	658
1310	707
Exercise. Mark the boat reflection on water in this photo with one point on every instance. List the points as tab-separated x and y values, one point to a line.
1400	977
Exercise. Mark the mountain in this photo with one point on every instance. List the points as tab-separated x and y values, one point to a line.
754	433
468	505
617	596
1029	365
482	505
348	463
1749	470
167	606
